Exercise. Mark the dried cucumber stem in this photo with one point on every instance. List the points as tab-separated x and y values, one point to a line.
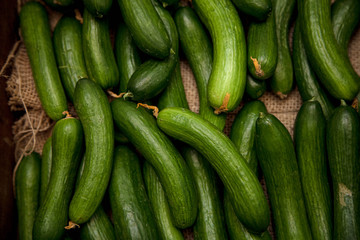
72	225
67	114
154	108
281	95
258	71
78	16
223	107
121	95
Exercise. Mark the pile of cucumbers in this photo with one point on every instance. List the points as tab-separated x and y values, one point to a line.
135	163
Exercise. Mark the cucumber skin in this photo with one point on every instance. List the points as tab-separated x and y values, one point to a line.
52	215
146	27
262	46
98	53
259	9
198	50
141	130
239	180
160	204
342	139
68	48
127	55
228	74
254	88
128	198
27	186
331	64
276	154
36	35
282	81
94	111
98	8
46	162
309	137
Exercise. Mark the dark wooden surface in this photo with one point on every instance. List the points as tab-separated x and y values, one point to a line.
8	36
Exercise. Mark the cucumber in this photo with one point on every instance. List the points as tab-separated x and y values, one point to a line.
342	140
146	27
98	8
159	202
243	132
330	63
131	209
276	154
127	55
198	50
98	52
140	128
246	193
228	77
309	137
254	88
259	9
52	216
93	109
27	186
262	48
36	35
282	81
46	162
67	41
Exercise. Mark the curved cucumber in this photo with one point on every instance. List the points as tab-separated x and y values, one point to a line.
228	77
94	111
46	162
36	34
254	88
259	9
246	193
69	53
131	209
27	186
309	137
52	216
141	130
276	154
98	52
98	8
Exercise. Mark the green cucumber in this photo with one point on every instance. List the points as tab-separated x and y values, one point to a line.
342	142
330	63
27	186
243	132
262	48
52	216
127	55
276	154
36	35
67	41
131	209
198	50
141	130
254	88
246	193
228	77
46	162
98	52
93	109
160	204
309	137
282	81
259	9
146	27
98	8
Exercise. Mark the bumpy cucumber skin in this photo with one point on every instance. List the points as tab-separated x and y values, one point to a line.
259	9
131	209
146	27
46	162
160	204
262	46
276	154
98	53
98	8
27	186
141	130
330	62
36	34
254	88
282	81
246	193
94	111
52	216
197	47
228	76
342	139
67	41
127	55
